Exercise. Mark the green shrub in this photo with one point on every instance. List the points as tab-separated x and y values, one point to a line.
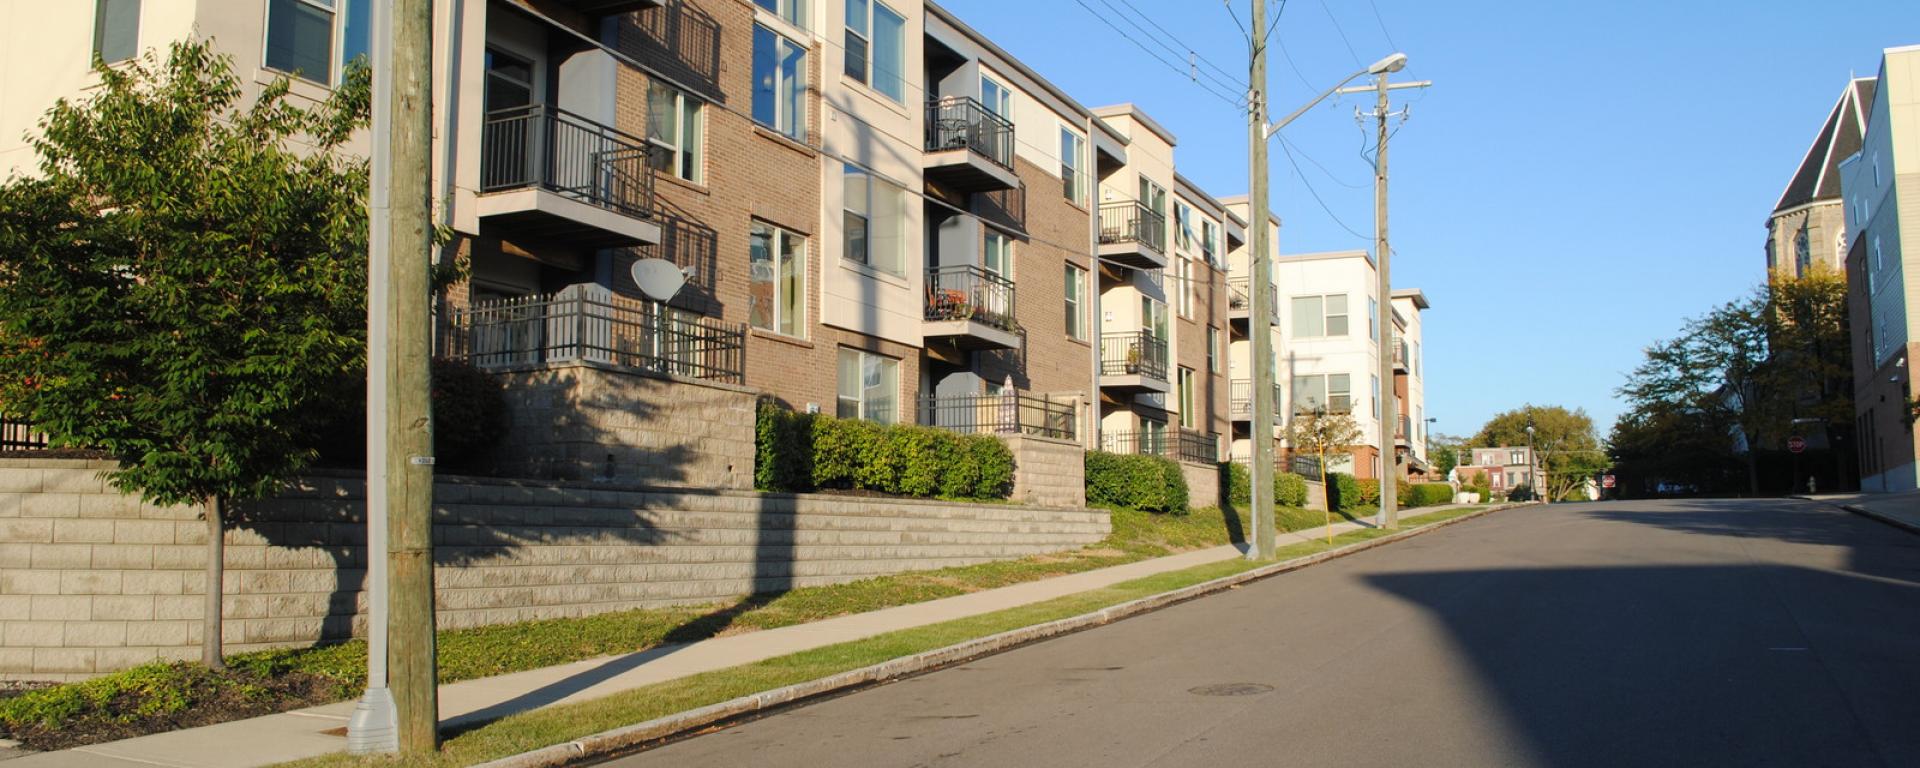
1521	492
1425	495
1237	483
1343	492
1130	481
1289	490
1369	493
469	416
801	452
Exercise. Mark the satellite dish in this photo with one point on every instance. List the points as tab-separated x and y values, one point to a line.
659	279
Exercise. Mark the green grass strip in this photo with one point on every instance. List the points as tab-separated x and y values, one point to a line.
562	723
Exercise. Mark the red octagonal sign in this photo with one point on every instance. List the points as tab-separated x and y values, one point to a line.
1796	444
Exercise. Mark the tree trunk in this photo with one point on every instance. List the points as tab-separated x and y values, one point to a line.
210	634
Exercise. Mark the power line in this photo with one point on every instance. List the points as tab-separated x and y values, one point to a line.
1316	163
1237	102
1190	50
1316	193
1342	32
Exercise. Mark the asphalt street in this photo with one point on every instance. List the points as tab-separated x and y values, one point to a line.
1686	633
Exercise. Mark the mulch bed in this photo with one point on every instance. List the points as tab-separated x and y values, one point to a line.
208	697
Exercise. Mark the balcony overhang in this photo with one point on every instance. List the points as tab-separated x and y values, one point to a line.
1133	254
1134	383
969	334
540	214
963	169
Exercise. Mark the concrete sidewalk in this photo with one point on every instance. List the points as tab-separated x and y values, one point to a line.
315	731
1899	509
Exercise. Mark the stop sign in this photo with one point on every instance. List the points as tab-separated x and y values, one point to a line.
1796	444
1606	481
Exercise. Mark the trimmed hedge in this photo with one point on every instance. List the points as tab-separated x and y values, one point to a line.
1344	492
1289	489
1131	481
797	452
1425	494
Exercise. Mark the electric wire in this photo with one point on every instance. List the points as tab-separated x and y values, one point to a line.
1316	193
1238	102
1190	50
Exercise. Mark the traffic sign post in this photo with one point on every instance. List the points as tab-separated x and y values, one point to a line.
1797	444
1606	481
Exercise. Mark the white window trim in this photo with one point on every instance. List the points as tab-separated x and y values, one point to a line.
1078	193
682	102
335	48
1324	314
1078	300
867	266
781	234
861	400
781	29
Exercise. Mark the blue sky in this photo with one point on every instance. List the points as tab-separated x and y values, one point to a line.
1582	177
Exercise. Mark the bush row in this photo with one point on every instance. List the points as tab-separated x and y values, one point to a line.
1130	481
1289	489
798	452
1424	494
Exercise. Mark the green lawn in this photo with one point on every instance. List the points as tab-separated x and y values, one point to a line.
559	724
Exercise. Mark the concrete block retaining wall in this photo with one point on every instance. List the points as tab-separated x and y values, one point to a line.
1203	484
93	581
1048	472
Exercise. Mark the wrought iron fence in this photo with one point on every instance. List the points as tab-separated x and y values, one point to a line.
1132	222
18	435
547	148
589	323
1172	442
1008	413
962	122
967	292
1198	447
1140	353
1305	466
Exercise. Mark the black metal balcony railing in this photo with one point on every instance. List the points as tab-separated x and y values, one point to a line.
1304	466
1139	353
1008	413
17	435
1131	222
1240	399
542	147
576	325
1173	443
1240	295
967	292
962	122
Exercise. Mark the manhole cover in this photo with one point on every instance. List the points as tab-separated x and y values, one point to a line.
1230	689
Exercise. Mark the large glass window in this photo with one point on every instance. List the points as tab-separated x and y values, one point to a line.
777	295
997	98
779	83
1076	287
1213	349
1333	391
1154	197
1377	399
997	257
509	81
116	29
300	38
1073	175
1188	413
1320	315
876	47
869	386
1183	286
791	11
875	221
1183	233
1210	242
1373	319
674	128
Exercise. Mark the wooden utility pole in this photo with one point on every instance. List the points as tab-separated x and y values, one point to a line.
1389	409
1261	325
409	425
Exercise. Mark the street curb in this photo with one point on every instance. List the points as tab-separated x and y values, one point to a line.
662	727
1867	513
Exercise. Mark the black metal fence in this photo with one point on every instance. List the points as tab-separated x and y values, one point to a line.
17	435
962	122
582	323
1305	466
1173	443
1140	353
538	146
967	292
1132	222
1007	413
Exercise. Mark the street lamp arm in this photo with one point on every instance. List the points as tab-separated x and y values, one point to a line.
1273	128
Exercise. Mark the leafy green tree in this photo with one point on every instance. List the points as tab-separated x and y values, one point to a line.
1318	432
1444	452
1811	356
1564	443
182	285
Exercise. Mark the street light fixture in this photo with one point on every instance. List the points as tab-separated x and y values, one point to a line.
1392	63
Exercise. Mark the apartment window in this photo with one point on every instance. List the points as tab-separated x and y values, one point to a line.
869	386
1153	436
874	217
1802	252
1320	315
779	83
1377	399
1187	409
674	128
1076	287
1210	242
1516	457
116	29
1373	319
777	296
1183	286
876	47
1183	226
1154	197
790	11
509	82
1153	317
1073	176
997	257
1415	346
1213	349
997	98
1770	259
300	38
1332	390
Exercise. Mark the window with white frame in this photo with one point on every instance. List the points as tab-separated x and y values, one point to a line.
1188	413
1516	457
1373	318
116	29
1183	286
876	45
1073	158
790	11
869	387
313	39
1183	226
1377	400
997	98
1210	242
874	219
777	289
1213	349
1334	391
996	255
675	129
1076	287
779	83
1323	315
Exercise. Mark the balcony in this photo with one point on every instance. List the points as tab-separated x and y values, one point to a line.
587	323
601	8
1173	443
1133	235
548	175
969	148
1401	432
970	307
1011	412
1240	303
1240	401
1133	362
1400	357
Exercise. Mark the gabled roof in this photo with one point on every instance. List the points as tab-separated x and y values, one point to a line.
1818	177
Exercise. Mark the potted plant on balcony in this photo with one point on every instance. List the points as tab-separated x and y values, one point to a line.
1133	359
